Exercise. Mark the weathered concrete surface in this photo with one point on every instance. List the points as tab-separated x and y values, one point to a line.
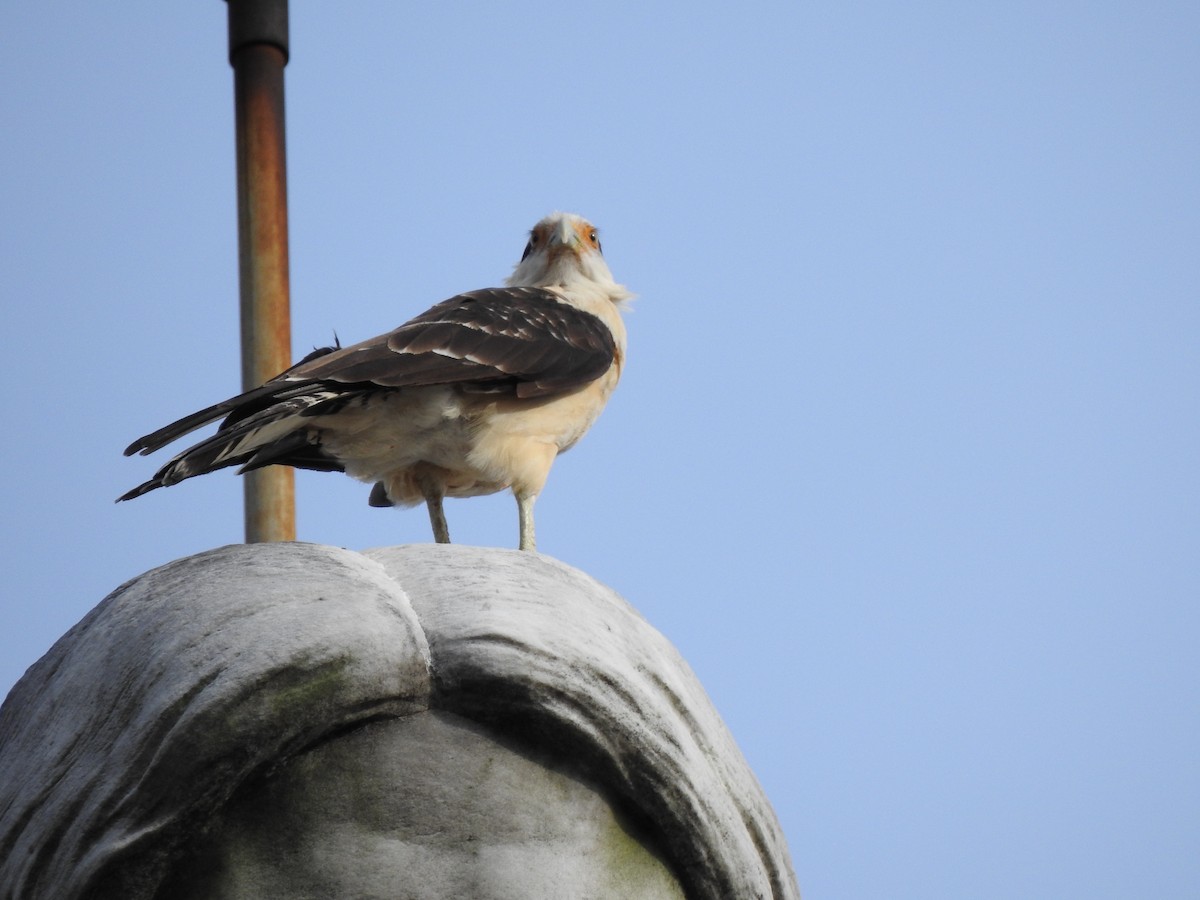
150	711
425	807
497	715
575	663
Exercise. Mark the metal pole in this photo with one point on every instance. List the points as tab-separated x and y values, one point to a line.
258	52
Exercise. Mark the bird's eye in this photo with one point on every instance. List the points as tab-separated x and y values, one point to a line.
595	239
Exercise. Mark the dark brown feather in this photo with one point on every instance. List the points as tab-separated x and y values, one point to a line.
517	335
521	339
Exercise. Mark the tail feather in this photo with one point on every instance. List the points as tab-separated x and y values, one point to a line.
280	433
243	405
237	408
297	450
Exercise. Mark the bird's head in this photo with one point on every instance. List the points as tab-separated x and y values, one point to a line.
564	251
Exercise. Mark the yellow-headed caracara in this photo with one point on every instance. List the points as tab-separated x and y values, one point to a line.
477	395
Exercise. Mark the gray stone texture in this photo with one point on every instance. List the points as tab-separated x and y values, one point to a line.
295	720
424	807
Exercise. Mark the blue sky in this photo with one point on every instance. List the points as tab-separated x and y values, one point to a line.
905	457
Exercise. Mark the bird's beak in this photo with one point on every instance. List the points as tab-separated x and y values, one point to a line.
565	234
564	239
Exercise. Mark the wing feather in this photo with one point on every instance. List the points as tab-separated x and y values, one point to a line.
526	340
525	336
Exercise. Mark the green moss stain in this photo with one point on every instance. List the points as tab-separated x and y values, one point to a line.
314	691
635	870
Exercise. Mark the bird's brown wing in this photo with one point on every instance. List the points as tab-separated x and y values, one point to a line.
522	339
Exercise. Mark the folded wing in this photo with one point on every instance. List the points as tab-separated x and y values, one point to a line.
524	341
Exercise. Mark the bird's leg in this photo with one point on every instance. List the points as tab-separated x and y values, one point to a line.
525	510
538	457
437	518
432	489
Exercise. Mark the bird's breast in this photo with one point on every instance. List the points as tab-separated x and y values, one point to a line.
483	442
517	440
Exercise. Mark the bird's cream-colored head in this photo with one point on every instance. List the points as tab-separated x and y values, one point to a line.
564	251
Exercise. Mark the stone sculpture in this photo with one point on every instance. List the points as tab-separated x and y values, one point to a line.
296	720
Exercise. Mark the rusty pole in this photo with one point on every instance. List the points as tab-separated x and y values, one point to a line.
258	52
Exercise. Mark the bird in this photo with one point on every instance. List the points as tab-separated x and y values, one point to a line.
476	395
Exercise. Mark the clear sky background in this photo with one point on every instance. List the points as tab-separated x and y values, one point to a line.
905	460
